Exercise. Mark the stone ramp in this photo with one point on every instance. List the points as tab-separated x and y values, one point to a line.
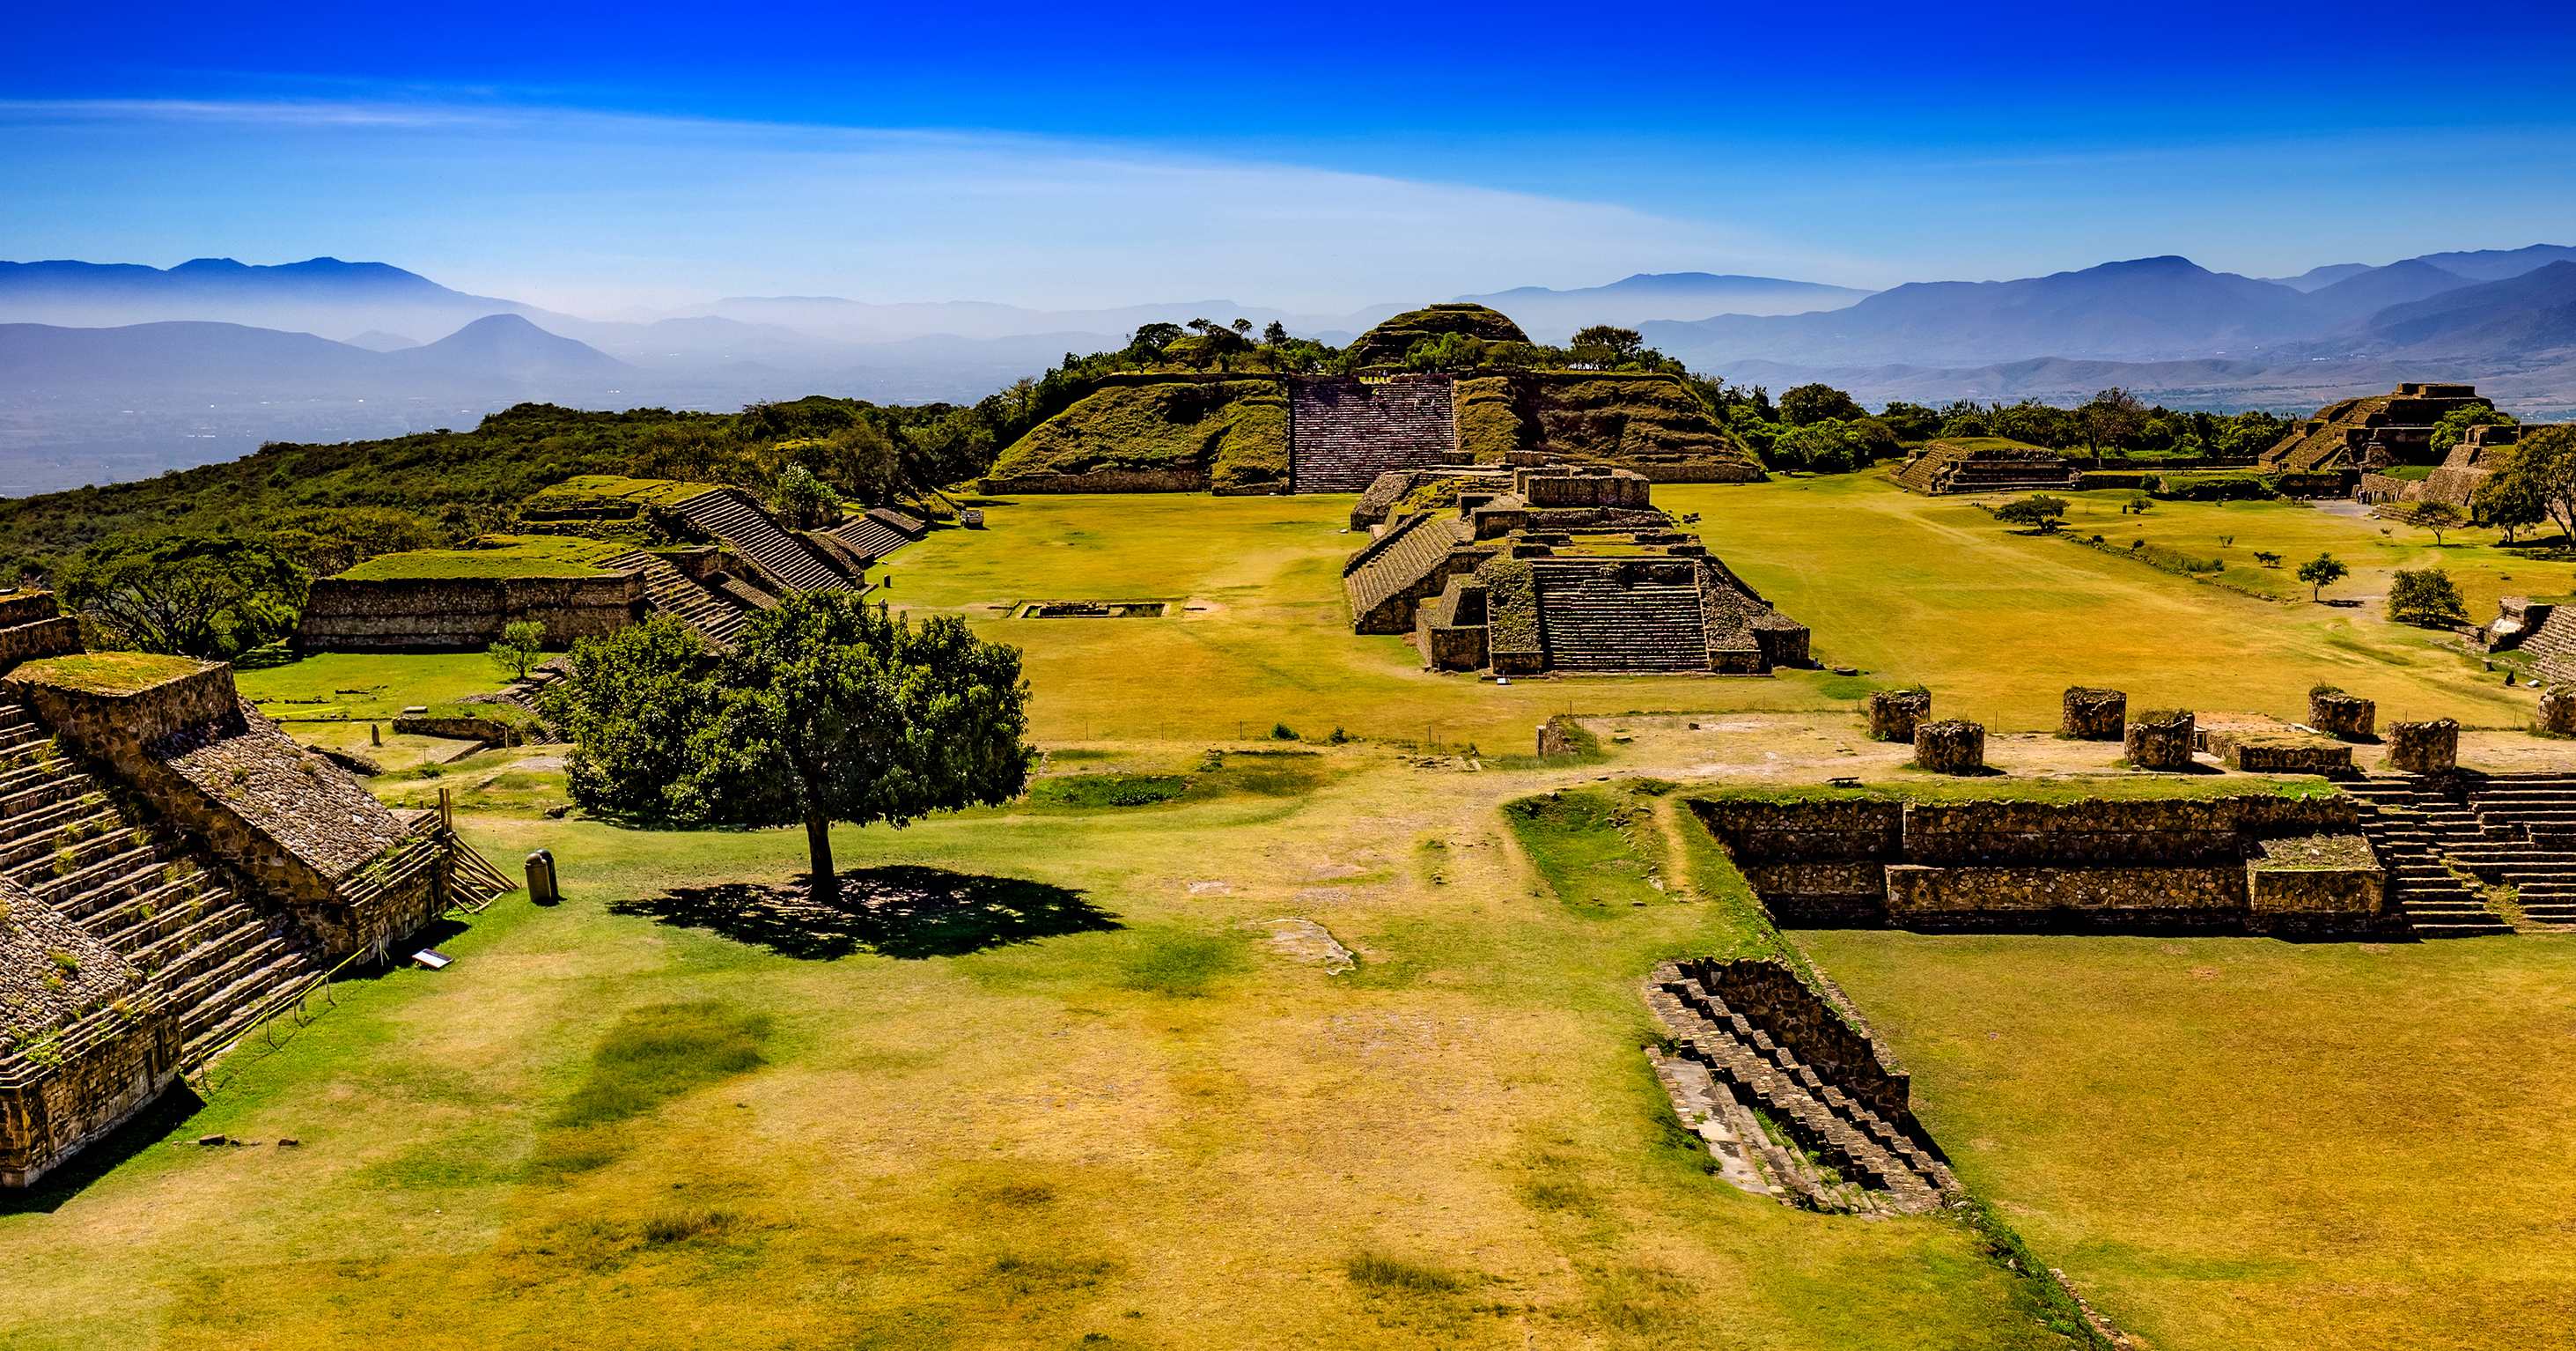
1597	616
1343	433
1735	1077
218	961
730	516
670	591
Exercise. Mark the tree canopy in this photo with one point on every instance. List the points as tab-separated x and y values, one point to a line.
824	709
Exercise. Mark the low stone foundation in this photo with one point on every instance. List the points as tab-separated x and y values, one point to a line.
1954	747
1108	481
2162	744
2093	715
463	614
2337	714
2424	747
1893	714
2280	753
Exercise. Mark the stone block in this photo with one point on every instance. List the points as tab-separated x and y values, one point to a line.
1953	747
2093	715
2161	744
2424	747
1893	713
2348	717
2558	710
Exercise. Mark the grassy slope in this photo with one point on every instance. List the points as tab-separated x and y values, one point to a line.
2235	1142
1163	1133
1906	587
1237	430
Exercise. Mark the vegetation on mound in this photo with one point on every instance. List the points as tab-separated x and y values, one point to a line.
107	672
587	491
1234	431
1391	340
493	556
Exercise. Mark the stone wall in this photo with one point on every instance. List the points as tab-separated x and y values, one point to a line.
463	614
2009	864
2160	742
46	1117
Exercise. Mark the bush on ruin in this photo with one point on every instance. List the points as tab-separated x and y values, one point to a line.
2426	598
802	500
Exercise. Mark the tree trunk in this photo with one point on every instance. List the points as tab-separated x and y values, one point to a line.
825	883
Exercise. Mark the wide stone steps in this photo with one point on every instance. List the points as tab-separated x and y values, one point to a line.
1840	1133
1343	433
218	1005
1590	622
671	591
2415	832
869	537
1419	544
792	563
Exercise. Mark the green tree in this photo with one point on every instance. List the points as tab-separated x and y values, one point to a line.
2539	472
1910	421
522	645
2454	425
2436	517
2321	572
1809	403
2110	420
803	501
195	595
2425	597
2039	511
823	710
1274	334
2506	502
1607	344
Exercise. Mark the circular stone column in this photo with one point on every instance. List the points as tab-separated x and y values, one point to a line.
2093	715
2160	741
1954	747
2424	747
2558	710
2347	717
1894	713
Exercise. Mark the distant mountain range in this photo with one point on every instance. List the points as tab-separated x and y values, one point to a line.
115	370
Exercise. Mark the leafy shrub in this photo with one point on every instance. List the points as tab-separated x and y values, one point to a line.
2426	598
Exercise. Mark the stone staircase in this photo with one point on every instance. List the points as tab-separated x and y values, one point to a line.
876	533
2551	644
1396	563
1591	618
1342	434
208	953
1838	1154
730	516
670	591
2418	830
2530	845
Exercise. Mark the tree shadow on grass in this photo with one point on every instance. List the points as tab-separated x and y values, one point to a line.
897	911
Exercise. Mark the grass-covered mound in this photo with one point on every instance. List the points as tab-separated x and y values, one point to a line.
494	556
1225	434
1634	419
1389	341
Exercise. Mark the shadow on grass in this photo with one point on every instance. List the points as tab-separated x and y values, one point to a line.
898	911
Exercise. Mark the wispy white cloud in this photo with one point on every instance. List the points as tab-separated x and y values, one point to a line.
585	209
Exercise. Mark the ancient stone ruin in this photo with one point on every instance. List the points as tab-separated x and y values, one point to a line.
1756	1053
1984	464
2443	834
173	872
1571	570
590	556
1951	747
1344	432
2424	747
2248	862
2557	714
1894	713
2346	440
2092	715
2160	741
2543	630
2348	717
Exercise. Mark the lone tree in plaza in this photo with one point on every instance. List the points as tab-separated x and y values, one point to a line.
2321	572
2039	511
2436	517
824	710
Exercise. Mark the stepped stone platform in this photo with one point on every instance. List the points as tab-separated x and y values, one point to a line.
1343	433
1573	571
1985	465
2544	630
2375	432
1755	1050
2450	836
877	532
174	871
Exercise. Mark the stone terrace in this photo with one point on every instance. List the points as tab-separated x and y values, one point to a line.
1985	465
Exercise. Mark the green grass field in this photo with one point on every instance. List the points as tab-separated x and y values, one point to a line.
1058	1086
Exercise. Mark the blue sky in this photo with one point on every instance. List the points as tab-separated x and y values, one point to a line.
637	155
